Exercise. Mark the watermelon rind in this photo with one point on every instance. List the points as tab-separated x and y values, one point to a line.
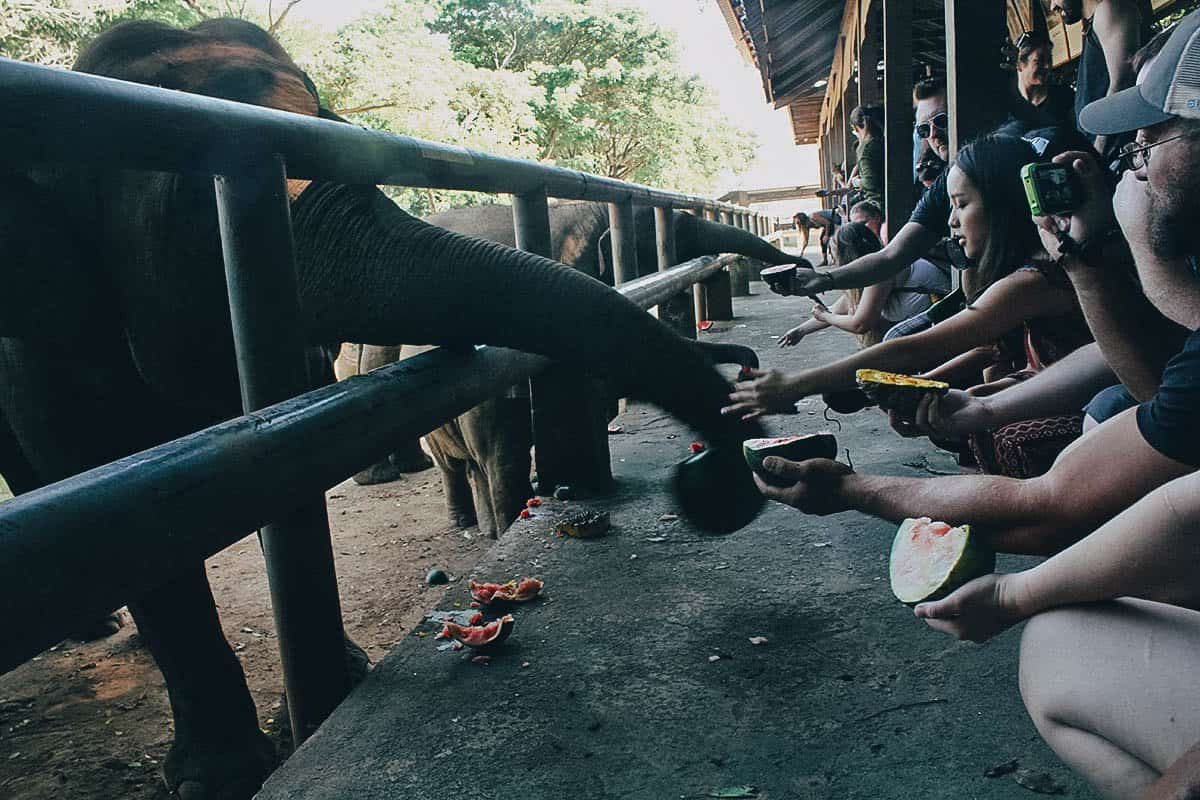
932	566
793	448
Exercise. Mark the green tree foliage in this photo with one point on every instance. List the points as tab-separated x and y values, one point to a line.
613	98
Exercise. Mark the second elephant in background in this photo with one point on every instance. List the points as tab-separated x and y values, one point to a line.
579	235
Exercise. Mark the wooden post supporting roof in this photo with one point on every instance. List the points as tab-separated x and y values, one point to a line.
975	85
897	131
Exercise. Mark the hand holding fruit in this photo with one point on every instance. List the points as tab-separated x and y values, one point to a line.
811	486
976	611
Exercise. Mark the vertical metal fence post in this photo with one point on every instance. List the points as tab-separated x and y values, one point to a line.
676	313
567	408
260	271
624	241
739	271
718	302
699	293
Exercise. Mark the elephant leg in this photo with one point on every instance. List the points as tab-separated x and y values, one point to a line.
219	750
499	436
460	509
482	495
20	477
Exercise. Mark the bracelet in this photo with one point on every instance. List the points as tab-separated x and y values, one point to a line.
1086	251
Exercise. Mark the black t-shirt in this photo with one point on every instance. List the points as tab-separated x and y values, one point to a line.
1057	109
933	209
1170	421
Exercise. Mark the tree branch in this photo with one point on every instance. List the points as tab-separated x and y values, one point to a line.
368	107
277	23
194	5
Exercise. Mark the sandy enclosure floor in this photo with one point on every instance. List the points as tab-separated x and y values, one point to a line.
91	720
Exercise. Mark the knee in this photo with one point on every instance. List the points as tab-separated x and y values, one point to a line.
1053	655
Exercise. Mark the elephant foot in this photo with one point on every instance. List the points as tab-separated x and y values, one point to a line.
463	519
411	460
99	628
223	767
383	472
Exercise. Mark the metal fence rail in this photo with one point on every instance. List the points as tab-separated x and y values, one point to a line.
48	113
47	537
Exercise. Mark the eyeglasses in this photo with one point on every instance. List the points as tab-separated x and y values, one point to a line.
940	122
1134	156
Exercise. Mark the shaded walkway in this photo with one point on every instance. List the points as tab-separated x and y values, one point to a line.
851	697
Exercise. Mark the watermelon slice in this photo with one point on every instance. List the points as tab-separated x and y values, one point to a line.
511	592
931	559
478	636
793	448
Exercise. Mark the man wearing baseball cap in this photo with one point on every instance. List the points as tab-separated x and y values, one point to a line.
1113	688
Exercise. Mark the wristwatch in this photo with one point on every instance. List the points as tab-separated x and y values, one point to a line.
1091	250
826	282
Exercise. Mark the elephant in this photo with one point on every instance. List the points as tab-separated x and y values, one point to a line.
115	336
357	359
483	455
471	452
579	235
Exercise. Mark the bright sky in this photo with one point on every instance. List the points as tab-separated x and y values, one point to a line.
707	49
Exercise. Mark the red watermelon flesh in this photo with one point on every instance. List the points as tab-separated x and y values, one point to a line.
494	632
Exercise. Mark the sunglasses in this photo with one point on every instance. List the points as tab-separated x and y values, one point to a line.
939	122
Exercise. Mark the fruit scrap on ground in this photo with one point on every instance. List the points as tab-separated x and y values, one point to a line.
533	502
584	524
512	592
525	513
478	636
697	447
931	559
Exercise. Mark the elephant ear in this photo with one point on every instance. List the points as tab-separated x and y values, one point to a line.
604	250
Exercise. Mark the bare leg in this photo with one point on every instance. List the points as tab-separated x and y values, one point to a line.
1114	690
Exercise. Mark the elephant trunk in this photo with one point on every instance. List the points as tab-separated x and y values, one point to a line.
416	283
698	237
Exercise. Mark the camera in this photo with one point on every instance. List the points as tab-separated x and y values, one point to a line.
1051	188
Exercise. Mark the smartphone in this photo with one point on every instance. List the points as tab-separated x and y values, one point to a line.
1050	188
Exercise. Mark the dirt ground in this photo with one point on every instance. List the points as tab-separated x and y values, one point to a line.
91	720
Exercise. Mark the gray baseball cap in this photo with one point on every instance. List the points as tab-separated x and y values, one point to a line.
1169	87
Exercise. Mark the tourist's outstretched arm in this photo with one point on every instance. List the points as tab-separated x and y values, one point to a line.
912	242
1062	388
1094	479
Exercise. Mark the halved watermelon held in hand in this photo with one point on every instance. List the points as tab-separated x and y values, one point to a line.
793	448
892	391
477	636
931	559
512	592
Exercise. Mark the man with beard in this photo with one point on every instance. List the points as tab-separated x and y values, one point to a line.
925	227
1112	31
1151	218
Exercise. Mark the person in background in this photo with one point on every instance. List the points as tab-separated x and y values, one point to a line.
869	313
867	175
1039	103
803	224
925	227
1113	30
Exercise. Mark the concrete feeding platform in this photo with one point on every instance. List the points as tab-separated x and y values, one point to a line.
635	677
